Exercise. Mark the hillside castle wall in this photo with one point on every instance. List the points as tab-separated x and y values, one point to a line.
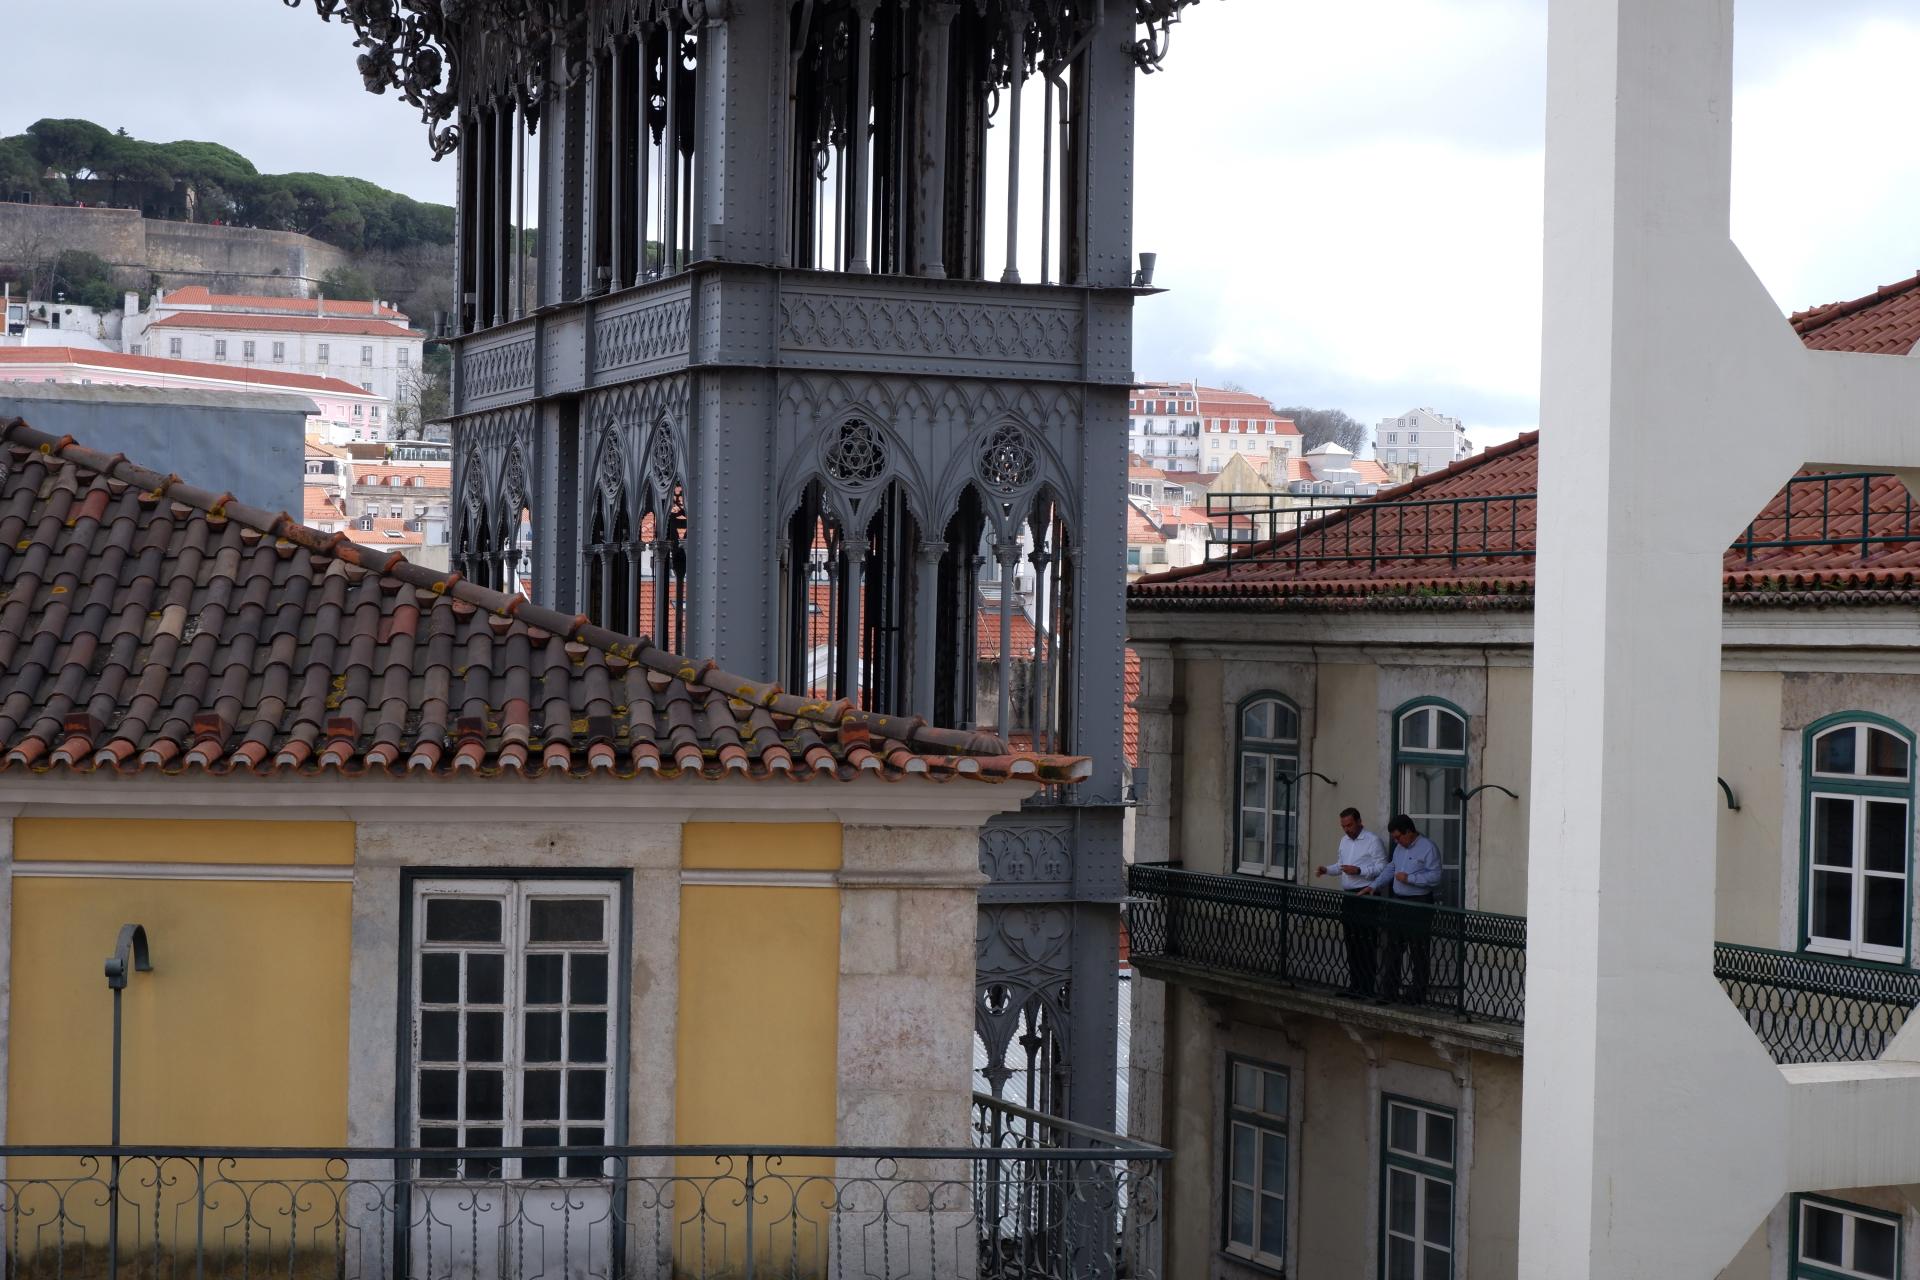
225	259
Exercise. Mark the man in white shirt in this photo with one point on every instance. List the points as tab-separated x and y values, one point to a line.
1362	858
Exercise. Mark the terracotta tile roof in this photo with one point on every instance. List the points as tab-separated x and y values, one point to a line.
410	476
319	448
318	504
1140	529
149	624
196	295
987	636
109	362
1886	321
1371	472
1130	713
1331	559
368	328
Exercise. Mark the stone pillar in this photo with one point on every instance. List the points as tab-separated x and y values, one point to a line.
930	149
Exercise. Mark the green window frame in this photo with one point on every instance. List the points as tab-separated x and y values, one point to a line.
1266	815
1430	760
1856	845
1254	1208
1419	1159
1835	1240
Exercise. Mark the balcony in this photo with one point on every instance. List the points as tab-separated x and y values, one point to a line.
1261	939
1034	1198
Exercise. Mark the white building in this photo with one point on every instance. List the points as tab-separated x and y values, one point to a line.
1183	426
1421	439
366	344
1238	422
1163	425
341	409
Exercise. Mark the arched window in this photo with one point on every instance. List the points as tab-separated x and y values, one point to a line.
1858	820
1429	776
1268	751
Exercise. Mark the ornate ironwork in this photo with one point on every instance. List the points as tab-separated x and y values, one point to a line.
1032	1198
857	455
1811	1008
1476	961
1007	464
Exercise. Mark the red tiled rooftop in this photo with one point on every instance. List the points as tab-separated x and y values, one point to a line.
1332	559
118	362
318	505
148	624
408	476
364	327
1130	712
1884	322
197	295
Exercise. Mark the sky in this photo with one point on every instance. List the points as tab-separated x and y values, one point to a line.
1345	199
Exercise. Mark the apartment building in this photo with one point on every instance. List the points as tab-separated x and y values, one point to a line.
1421	440
1183	426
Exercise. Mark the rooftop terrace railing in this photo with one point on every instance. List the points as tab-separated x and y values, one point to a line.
1803	1007
1371	533
1035	1198
1807	517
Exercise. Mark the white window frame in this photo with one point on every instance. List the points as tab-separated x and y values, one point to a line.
325	352
247	349
366	356
1266	752
1407	760
1803	1268
279	353
516	898
1259	1126
173	347
1427	1171
1857	790
219	348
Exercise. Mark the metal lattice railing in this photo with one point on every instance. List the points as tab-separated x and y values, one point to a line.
1813	1008
1369	532
1035	1198
1472	964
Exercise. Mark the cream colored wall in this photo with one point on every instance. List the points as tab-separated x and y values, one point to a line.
1749	888
1345	747
1206	771
1493	1184
1500	823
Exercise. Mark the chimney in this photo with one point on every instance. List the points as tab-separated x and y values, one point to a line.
130	304
320	303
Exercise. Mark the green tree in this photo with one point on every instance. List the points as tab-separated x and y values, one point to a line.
86	280
71	148
1327	426
347	284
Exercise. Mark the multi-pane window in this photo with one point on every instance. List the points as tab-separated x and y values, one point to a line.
219	348
1269	765
1256	1201
366	355
404	358
1832	1240
1859	802
173	347
514	996
279	353
1417	1189
1429	777
247	349
324	352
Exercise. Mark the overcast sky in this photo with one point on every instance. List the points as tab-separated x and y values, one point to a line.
1345	198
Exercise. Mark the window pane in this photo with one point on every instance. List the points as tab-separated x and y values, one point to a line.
565	920
1833	751
1832	915
543	978
543	1037
439	1095
1399	1259
1253	816
1886	754
488	1167
1439	1265
540	1138
1273	1226
1832	831
586	1037
1821	1233
1440	1138
1403	1129
1273	1162
483	1095
1243	1159
440	978
589	978
1874	1248
1400	1199
1439	1223
1452	734
1886	903
586	1095
1246	1085
1275	1102
483	1037
1886	836
440	1037
540	1095
1253	721
486	978
463	920
1240	1217
439	1138
1414	730
1286	723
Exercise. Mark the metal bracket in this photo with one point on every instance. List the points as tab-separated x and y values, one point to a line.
1463	795
1733	801
132	941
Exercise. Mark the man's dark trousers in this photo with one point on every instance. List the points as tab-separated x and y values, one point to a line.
1357	921
1408	928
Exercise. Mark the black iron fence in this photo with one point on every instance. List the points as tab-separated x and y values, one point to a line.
1469	963
1368	532
1803	1007
1813	1008
1836	509
1034	1199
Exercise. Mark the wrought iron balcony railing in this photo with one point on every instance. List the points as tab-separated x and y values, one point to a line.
1803	1007
1035	1198
1472	964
